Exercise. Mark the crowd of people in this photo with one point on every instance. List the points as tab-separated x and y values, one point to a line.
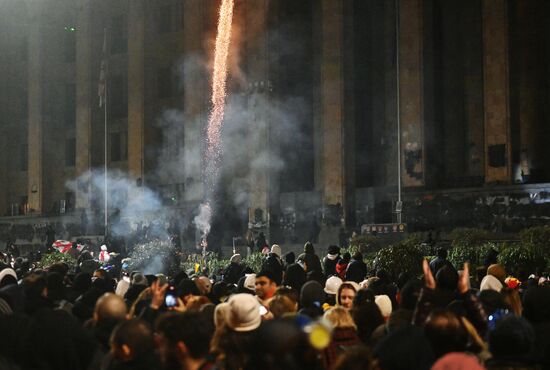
296	312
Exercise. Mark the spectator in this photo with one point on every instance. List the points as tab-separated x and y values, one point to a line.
343	337
274	265
357	269
439	261
132	346
266	287
345	295
331	260
342	265
234	271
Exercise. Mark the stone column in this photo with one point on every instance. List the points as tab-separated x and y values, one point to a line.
332	103
136	88
195	87
35	106
84	100
496	91
411	93
258	90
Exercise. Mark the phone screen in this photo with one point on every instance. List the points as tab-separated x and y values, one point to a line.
170	300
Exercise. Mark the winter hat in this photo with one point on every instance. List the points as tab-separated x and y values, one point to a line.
204	285
355	285
384	304
365	284
243	313
333	252
513	338
290	258
250	282
312	294
332	284
103	247
457	361
276	249
7	276
512	282
186	287
308	248
220	314
139	279
490	282
497	271
236	258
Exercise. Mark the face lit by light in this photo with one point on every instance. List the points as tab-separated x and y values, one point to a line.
346	298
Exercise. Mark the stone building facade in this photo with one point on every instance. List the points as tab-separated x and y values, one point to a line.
327	88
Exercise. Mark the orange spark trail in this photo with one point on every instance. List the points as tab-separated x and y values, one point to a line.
215	121
219	78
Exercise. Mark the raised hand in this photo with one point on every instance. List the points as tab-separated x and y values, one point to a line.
464	280
429	280
158	292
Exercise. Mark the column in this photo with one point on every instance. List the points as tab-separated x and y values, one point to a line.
411	93
195	86
496	92
258	95
35	105
332	103
136	88
84	101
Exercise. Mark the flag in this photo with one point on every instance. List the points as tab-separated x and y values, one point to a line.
102	87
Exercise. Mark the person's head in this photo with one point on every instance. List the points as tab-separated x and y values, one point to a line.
357	358
332	284
276	249
445	332
512	299
512	338
308	248
132	340
56	288
186	289
100	273
408	295
265	285
497	271
7	277
290	258
204	285
442	252
446	278
243	313
109	310
367	317
346	257
404	349
536	305
182	338
339	317
384	304
358	256
345	296
457	361
281	305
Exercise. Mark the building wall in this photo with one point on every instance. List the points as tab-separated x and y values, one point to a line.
329	65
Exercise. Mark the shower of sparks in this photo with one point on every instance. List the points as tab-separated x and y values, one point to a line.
215	121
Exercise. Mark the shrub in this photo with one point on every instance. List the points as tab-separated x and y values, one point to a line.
517	258
474	254
396	259
468	238
364	244
537	240
50	259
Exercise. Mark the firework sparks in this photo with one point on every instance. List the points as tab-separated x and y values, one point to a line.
215	121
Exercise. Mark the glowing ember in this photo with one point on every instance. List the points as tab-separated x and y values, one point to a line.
215	121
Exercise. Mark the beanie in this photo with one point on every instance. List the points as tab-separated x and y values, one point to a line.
384	304
243	313
276	249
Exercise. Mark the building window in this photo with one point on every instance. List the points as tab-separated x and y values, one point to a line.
119	146
70	105
70	152
69	51
118	96
119	35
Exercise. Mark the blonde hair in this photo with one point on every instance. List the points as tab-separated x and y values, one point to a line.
281	305
339	317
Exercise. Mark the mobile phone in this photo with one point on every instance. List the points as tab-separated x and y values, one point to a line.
171	299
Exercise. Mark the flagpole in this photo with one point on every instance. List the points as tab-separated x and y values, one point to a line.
105	193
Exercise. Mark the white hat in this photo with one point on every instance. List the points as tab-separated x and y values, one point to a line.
103	247
7	272
243	313
276	249
220	314
384	304
332	284
250	282
490	282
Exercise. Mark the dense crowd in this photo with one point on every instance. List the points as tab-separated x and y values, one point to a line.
297	312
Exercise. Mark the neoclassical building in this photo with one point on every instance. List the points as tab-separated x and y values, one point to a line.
335	110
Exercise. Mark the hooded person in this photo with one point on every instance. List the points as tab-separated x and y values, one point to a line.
331	260
312	298
234	271
247	284
311	260
7	277
273	264
295	276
